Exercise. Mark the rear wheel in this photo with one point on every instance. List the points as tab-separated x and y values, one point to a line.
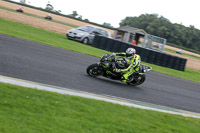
85	40
94	70
139	79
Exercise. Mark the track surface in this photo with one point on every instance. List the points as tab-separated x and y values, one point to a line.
46	64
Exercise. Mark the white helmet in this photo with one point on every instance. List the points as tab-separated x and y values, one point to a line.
130	52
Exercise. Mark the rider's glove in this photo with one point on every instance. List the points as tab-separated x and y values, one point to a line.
113	54
117	70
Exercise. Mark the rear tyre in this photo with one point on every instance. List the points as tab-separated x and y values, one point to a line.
85	40
139	79
94	70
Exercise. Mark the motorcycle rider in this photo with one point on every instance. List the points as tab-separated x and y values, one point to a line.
133	63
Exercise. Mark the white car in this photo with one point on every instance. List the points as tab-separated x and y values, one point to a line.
86	33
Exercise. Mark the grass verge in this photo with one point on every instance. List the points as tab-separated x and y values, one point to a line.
59	40
35	111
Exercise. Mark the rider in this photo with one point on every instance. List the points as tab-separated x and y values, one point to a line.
133	61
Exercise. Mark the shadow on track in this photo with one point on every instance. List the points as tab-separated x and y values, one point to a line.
113	83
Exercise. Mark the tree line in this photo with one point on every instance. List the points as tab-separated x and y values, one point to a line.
76	15
176	34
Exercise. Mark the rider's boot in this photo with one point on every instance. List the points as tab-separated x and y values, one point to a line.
126	80
123	79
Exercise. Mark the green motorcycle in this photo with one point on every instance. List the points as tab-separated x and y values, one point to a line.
108	63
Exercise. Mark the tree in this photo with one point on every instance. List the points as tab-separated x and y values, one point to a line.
49	7
74	14
159	26
107	25
80	17
58	11
87	20
23	1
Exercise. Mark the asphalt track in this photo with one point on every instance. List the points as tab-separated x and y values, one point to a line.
55	66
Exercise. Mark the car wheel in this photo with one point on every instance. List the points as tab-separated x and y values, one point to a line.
85	40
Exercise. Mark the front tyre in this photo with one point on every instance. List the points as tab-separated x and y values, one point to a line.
94	70
139	79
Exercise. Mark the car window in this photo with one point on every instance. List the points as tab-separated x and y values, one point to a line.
104	33
86	28
99	31
96	30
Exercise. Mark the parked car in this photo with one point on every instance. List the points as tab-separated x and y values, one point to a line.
86	33
179	51
20	10
49	17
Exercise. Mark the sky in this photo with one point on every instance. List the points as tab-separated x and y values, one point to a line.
185	12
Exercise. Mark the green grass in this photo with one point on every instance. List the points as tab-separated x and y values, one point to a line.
188	74
59	40
26	110
47	37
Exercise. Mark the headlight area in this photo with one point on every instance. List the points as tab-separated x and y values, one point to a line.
80	35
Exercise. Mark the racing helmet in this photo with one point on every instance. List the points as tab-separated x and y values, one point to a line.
130	52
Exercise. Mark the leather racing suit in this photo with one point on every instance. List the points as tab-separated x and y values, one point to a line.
133	66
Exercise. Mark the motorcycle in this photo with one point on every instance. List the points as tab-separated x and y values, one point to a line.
108	64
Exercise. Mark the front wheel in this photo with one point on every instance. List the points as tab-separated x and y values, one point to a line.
139	79
94	70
